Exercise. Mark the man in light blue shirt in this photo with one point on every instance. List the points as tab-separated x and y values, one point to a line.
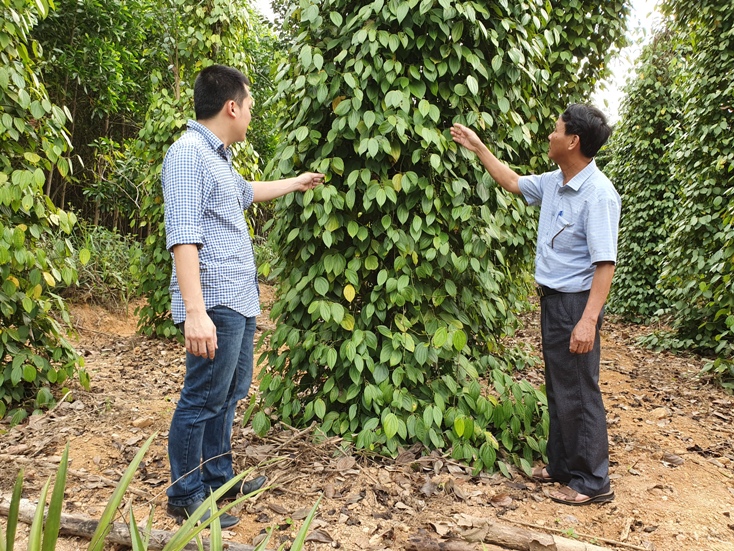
214	289
574	265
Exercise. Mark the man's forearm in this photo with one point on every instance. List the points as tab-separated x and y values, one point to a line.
600	286
502	174
266	191
186	258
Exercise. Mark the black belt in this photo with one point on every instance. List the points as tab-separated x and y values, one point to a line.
544	291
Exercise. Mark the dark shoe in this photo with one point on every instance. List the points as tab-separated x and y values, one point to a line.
244	489
181	514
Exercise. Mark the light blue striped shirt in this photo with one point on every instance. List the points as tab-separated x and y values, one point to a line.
204	200
578	226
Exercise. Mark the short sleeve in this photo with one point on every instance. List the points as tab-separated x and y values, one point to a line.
531	188
248	193
603	229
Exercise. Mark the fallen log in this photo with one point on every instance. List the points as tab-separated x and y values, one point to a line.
422	542
506	536
77	525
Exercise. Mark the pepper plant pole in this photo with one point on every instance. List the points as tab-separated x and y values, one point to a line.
399	278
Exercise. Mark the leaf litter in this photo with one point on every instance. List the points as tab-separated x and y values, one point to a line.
671	463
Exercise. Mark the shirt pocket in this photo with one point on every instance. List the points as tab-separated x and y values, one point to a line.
561	236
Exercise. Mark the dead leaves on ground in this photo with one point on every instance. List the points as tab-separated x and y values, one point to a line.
377	496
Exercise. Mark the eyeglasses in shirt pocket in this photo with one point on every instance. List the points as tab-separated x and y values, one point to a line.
562	234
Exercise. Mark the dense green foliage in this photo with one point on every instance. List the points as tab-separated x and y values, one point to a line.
33	351
106	278
640	167
97	58
400	275
679	247
697	280
108	62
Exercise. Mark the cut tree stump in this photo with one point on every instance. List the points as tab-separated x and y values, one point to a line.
76	525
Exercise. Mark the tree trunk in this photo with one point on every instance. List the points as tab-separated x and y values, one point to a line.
75	525
506	536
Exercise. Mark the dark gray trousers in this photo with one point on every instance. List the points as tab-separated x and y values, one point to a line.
578	447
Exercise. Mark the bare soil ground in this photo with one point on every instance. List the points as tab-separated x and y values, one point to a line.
671	439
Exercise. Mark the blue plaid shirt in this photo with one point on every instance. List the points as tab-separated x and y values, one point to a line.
205	199
578	226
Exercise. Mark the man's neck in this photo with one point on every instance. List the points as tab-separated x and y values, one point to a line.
217	129
572	167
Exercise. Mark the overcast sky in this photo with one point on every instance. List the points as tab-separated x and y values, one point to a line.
642	19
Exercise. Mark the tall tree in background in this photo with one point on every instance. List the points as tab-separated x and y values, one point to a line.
400	277
34	353
98	58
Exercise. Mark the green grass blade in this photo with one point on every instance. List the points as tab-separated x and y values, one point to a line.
105	523
300	540
149	527
36	533
136	539
189	530
13	512
264	543
215	528
53	519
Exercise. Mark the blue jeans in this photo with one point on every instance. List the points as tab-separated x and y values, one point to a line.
199	441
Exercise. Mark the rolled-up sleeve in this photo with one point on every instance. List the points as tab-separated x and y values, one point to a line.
248	193
183	193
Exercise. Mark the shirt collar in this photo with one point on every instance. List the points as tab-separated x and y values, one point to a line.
215	143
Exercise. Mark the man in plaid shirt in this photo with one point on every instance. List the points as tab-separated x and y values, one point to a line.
214	287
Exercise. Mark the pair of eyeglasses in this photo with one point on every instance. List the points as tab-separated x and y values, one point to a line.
559	233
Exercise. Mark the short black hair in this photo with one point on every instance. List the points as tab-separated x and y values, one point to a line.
589	124
216	85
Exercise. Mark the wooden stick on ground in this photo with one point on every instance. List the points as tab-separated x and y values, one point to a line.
582	535
523	539
74	525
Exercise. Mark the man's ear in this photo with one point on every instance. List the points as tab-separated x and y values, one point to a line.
229	108
574	143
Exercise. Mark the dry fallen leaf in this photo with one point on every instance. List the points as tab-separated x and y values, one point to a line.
143	422
672	460
345	463
319	536
277	509
459	493
300	514
429	488
501	500
441	528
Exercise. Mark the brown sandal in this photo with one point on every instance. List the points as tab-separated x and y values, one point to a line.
569	496
540	474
